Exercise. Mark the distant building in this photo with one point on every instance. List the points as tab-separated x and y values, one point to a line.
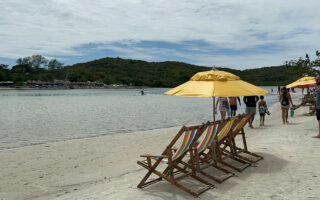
64	84
6	83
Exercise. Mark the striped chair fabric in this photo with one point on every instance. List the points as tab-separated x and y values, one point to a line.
187	139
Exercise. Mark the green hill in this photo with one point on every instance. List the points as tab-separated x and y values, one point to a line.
168	74
142	73
133	72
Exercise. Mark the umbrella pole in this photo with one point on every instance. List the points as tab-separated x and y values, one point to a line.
214	108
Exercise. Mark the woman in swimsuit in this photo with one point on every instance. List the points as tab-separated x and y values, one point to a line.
223	106
285	100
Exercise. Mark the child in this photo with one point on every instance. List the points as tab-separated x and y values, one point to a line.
263	109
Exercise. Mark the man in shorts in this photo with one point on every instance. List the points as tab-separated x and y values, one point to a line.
317	91
251	107
233	105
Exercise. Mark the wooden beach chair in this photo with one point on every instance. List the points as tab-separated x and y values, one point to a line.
215	155
239	129
173	159
224	141
207	144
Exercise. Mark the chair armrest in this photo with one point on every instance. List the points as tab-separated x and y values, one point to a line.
154	156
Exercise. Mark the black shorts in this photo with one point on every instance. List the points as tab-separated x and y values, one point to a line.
318	114
233	107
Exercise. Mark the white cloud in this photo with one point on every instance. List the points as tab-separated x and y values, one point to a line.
54	27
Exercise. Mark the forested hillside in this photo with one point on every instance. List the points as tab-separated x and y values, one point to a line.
142	73
170	74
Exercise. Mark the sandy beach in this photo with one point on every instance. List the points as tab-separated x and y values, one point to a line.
105	167
93	93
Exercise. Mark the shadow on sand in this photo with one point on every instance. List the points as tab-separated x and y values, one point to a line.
165	190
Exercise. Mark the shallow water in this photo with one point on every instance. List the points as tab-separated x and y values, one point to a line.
38	116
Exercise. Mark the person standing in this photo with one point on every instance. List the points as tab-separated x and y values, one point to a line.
251	107
223	106
233	105
317	92
263	109
285	100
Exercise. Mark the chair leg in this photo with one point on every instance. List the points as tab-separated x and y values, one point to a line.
253	162
222	169
238	150
245	164
193	175
219	179
230	166
245	150
143	182
253	154
149	182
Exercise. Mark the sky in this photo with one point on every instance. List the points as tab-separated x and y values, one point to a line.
239	34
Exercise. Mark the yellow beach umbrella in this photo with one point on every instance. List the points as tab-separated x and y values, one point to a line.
215	83
304	82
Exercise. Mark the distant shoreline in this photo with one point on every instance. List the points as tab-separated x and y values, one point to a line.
66	88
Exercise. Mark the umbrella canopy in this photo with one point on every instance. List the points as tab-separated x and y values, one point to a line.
305	82
215	83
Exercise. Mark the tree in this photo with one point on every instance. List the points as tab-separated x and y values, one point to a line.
21	69
307	58
74	77
24	61
54	64
3	66
38	61
305	66
35	61
5	73
317	61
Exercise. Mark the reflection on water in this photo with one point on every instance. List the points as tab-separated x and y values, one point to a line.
38	116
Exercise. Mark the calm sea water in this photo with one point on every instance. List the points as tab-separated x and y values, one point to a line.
39	116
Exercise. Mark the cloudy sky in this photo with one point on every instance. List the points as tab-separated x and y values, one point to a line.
230	33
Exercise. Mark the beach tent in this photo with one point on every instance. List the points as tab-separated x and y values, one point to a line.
304	82
215	83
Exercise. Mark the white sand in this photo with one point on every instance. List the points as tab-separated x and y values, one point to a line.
105	167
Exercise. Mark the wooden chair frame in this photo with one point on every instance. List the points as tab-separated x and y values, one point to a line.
169	174
237	150
204	160
215	154
224	142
